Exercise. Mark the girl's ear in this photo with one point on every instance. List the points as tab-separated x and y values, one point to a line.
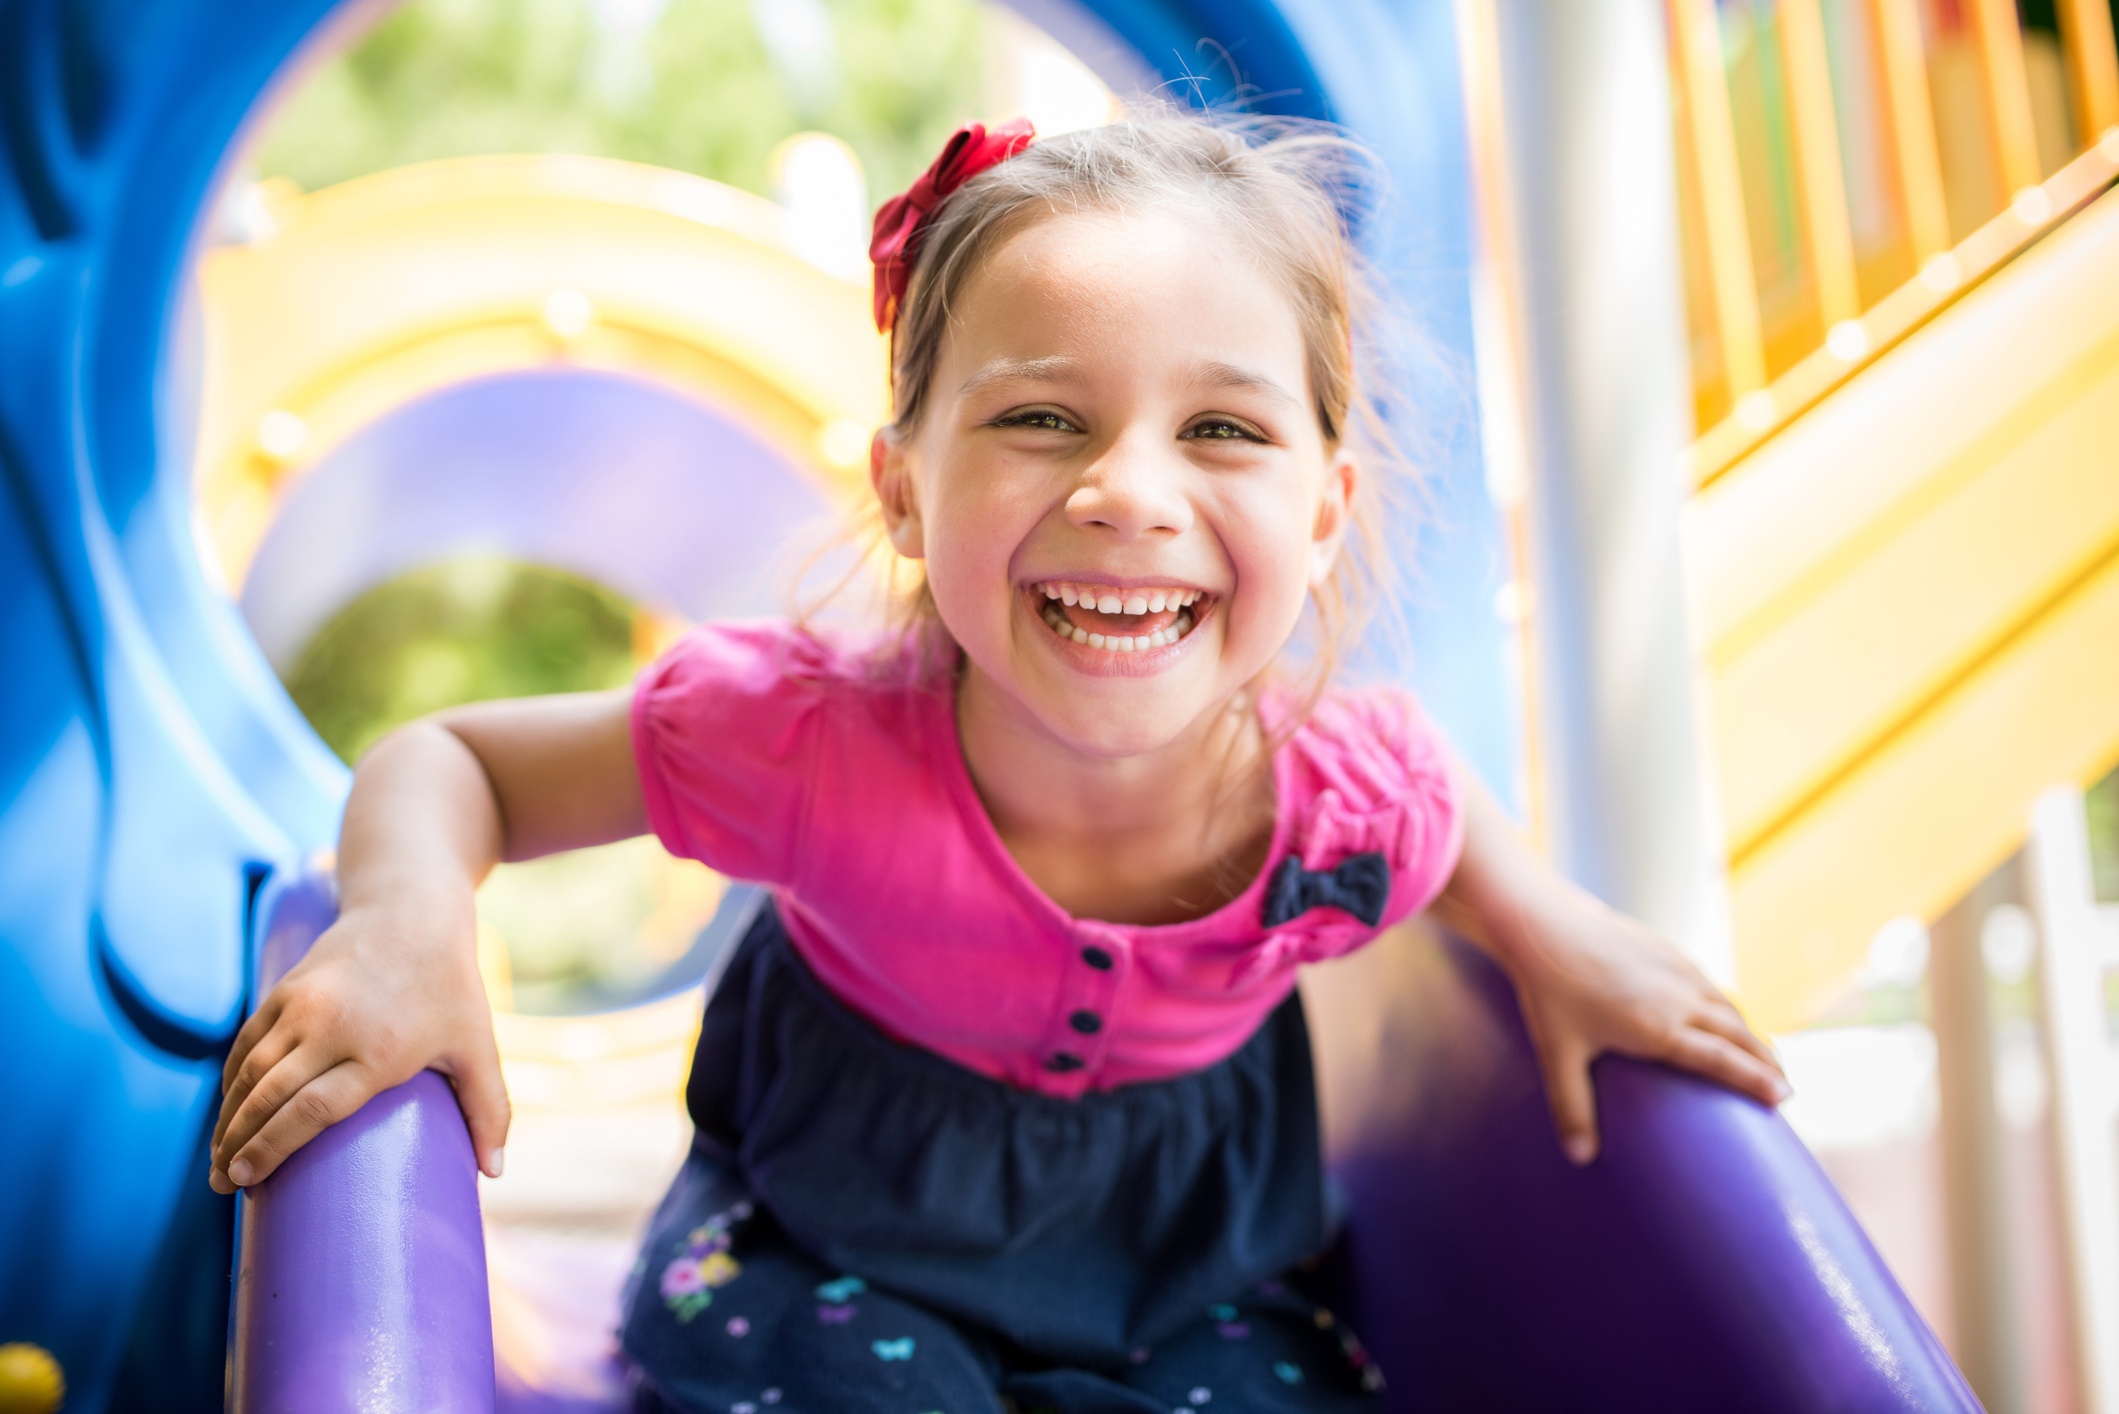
890	472
1335	512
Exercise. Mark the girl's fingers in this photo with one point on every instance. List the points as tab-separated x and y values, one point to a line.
273	1092
254	1029
1572	1098
240	1081
1705	1053
483	1096
317	1105
1724	1021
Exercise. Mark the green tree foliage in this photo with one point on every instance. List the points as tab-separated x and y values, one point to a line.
464	630
2103	802
696	89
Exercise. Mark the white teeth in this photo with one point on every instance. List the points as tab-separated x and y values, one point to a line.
1058	622
1107	600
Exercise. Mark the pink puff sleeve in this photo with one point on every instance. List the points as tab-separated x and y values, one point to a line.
726	728
1374	776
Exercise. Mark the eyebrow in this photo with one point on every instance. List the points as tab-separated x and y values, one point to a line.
1016	370
1227	375
1210	374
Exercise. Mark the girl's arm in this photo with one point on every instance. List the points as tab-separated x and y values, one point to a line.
392	987
1590	979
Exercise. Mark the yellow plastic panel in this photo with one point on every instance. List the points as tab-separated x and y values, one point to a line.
1931	813
1824	490
2022	510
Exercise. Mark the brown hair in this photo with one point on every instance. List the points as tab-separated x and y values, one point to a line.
1292	190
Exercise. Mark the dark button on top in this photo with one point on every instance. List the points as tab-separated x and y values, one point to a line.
1060	1062
1086	1022
1097	958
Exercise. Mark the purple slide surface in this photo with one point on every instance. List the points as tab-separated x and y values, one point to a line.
1703	1262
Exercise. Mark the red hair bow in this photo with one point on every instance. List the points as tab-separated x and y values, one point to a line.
970	150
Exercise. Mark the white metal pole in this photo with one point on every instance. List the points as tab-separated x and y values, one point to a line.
1607	400
2071	998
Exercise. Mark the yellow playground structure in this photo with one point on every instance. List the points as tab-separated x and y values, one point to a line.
1903	549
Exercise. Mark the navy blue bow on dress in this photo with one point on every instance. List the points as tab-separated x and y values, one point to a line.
1360	885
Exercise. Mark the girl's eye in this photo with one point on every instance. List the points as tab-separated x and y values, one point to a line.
1042	420
1221	430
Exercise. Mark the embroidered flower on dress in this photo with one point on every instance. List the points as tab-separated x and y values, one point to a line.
702	1264
899	1349
682	1278
1357	1356
838	1290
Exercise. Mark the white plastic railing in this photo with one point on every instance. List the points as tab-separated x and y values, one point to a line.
2080	940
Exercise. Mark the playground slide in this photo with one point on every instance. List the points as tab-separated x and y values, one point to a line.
1704	1262
1907	603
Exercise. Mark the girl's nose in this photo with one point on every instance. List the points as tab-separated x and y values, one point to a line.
1133	491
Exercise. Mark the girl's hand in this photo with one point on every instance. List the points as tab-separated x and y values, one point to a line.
388	991
1590	979
392	988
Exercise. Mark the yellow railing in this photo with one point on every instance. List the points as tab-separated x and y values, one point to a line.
1847	167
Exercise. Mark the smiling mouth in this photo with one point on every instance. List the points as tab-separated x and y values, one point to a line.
1136	620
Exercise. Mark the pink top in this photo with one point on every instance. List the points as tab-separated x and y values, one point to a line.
774	755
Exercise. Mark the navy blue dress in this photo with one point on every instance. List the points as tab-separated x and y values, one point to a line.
865	1226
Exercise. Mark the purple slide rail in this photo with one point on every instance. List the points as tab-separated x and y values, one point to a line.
1703	1262
361	1263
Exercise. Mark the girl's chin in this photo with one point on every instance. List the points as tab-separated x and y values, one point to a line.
1109	736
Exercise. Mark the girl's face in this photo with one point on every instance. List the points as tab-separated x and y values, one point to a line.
1119	485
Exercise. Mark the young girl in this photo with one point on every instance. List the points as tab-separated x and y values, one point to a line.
1007	1102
